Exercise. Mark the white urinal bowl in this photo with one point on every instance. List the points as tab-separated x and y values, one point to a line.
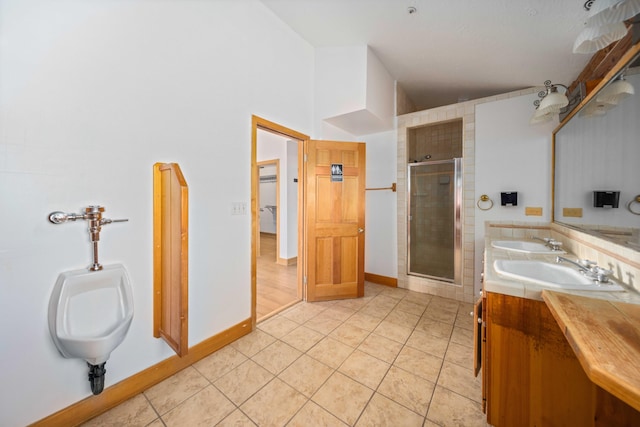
90	312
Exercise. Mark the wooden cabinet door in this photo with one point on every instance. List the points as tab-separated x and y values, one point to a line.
170	256
334	219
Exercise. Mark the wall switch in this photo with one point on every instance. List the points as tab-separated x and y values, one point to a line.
238	208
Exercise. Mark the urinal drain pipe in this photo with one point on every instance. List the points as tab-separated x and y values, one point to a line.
96	377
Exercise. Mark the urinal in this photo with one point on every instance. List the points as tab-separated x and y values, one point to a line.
90	313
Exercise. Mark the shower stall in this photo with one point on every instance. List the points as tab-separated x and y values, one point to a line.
434	239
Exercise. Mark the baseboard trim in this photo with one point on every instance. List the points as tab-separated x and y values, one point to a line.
111	397
381	280
287	261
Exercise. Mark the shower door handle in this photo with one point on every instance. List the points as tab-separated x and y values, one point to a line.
360	230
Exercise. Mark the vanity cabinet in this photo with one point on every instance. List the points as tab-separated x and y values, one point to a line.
530	374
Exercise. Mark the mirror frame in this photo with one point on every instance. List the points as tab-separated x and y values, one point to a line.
632	53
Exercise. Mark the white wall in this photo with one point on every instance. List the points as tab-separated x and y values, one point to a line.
381	212
511	155
94	93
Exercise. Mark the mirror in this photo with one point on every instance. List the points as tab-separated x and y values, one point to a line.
598	150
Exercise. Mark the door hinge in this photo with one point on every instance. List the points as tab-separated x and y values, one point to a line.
304	157
304	280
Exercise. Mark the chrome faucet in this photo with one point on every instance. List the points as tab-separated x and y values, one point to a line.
553	244
589	269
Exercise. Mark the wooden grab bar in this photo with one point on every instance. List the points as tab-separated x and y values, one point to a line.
392	188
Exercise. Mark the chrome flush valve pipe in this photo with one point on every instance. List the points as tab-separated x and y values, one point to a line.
93	214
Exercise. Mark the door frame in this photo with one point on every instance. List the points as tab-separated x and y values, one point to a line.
266	125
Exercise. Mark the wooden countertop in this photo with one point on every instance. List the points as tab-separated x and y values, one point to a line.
605	336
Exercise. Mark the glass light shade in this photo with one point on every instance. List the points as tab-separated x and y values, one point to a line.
540	117
615	92
553	103
605	12
594	38
595	108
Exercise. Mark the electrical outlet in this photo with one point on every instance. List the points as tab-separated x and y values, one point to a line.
238	208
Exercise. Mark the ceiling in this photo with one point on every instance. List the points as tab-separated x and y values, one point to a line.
450	50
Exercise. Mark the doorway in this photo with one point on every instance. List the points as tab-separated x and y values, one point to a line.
277	244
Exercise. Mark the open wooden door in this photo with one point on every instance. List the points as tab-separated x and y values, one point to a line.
170	256
334	219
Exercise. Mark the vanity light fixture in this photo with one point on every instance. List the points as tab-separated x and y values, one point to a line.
605	23
605	12
615	91
551	102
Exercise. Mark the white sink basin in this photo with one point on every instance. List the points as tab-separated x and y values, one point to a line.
524	246
550	275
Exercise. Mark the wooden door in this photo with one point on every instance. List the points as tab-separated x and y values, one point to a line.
334	220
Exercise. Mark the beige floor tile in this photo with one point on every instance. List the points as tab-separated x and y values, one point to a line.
155	423
407	389
464	321
205	408
302	338
349	334
274	404
462	336
444	304
395	293
343	397
434	327
433	345
363	321
278	326
411	307
364	368
236	419
339	313
323	323
252	343
306	375
174	390
135	412
330	352
393	332
354	303
440	315
385	300
375	311
420	363
418	298
402	318
302	312
276	357
383	348
460	355
449	409
219	363
461	380
385	412
239	384
312	414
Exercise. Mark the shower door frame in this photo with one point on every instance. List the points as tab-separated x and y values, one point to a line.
457	220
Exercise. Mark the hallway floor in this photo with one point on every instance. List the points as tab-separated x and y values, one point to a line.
392	358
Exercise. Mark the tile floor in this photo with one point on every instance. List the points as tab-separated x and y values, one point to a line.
392	358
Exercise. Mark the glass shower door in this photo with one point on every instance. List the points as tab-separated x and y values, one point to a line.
434	226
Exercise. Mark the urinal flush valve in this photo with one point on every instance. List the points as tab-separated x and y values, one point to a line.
93	214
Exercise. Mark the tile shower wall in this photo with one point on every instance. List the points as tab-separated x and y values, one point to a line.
441	141
464	111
